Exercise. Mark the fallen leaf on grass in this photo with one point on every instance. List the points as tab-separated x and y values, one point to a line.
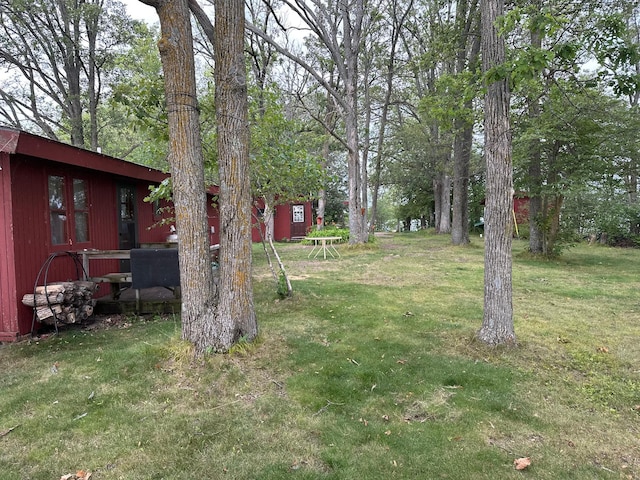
79	475
522	463
6	432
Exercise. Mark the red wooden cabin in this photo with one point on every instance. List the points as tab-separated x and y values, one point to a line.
56	198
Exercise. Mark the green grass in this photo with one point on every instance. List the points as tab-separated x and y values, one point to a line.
370	371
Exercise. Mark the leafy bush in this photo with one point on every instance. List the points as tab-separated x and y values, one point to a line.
282	290
331	232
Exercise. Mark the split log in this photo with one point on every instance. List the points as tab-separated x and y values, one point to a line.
38	299
46	311
54	288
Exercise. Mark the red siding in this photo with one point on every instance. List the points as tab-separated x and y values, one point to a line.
26	161
282	223
9	329
31	232
521	209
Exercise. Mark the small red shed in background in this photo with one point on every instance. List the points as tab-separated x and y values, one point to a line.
291	221
56	198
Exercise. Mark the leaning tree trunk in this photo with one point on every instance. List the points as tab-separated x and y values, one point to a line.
236	314
187	173
497	324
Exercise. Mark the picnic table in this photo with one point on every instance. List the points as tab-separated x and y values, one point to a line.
324	245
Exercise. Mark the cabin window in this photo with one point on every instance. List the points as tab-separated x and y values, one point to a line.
68	210
298	213
57	210
81	210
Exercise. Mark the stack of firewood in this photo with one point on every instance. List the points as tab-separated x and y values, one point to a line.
62	302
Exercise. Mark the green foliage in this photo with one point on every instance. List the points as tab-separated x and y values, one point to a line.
138	95
584	157
330	231
614	43
282	289
281	166
447	102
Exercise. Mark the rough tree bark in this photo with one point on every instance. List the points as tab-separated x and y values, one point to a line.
497	325
187	173
236	314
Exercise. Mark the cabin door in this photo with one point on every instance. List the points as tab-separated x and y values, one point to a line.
127	227
298	224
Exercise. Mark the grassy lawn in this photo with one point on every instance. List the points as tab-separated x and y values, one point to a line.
370	371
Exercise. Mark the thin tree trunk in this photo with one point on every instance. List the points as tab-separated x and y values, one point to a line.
437	202
497	325
461	158
398	21
445	205
72	67
536	243
91	23
467	19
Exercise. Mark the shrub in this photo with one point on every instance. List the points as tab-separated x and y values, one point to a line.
331	232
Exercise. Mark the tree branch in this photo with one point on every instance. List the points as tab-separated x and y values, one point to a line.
267	38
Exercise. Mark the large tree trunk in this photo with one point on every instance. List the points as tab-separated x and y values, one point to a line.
356	211
497	324
351	33
187	173
236	315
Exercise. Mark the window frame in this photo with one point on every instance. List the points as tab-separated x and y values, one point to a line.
70	209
